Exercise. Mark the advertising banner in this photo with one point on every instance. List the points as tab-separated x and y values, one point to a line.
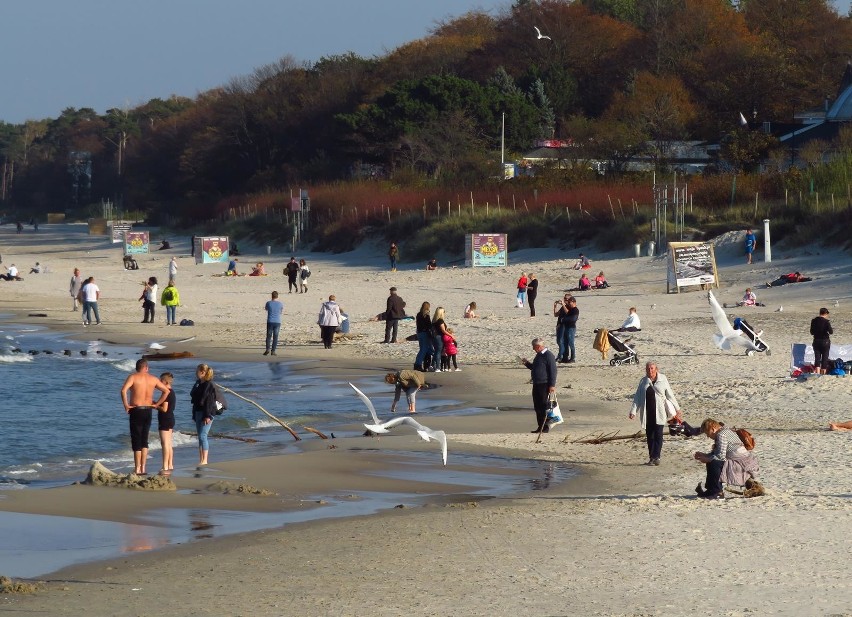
486	250
691	263
118	231
214	249
135	242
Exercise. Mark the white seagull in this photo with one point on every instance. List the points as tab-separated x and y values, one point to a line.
426	433
727	335
540	35
156	346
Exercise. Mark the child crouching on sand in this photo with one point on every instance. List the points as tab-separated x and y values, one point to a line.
450	351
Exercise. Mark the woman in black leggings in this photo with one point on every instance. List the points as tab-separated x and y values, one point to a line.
821	329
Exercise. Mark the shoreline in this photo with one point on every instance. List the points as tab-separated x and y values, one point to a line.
593	545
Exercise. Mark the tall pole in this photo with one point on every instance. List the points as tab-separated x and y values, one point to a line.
503	141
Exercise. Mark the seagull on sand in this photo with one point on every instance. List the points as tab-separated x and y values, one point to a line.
540	35
426	433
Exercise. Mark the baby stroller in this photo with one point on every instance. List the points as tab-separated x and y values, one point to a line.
625	354
745	327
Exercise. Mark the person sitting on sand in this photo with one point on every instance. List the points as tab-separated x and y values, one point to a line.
408	380
584	284
36	269
232	268
432	264
470	311
728	462
632	323
12	274
164	245
258	270
130	263
749	299
583	263
792	277
600	281
840	426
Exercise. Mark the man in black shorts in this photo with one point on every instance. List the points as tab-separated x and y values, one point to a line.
140	386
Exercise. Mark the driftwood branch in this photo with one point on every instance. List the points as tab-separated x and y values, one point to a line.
604	438
248	400
315	432
221	436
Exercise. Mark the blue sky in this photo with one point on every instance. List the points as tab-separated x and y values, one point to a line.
116	53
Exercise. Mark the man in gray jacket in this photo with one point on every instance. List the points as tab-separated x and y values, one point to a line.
543	369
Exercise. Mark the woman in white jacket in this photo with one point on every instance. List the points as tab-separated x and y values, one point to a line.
656	404
328	320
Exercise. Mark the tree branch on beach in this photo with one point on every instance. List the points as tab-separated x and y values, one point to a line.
248	400
605	437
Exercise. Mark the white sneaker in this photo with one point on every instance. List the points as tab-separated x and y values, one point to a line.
457	370
437	370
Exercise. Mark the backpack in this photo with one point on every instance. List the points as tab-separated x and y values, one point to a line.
168	294
746	438
221	403
306	273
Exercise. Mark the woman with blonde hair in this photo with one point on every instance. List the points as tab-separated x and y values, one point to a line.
439	329
729	460
203	396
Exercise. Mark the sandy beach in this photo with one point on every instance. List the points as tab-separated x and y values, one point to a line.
621	538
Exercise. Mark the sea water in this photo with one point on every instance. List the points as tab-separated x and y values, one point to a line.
62	409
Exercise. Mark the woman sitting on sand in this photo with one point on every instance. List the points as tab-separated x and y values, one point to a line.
728	462
258	270
470	311
600	281
585	284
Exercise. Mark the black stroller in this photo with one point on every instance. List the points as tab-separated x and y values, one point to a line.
754	336
625	354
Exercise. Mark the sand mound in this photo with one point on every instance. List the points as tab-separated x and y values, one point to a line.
231	488
7	585
101	476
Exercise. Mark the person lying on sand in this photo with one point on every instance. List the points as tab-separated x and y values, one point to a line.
792	277
840	426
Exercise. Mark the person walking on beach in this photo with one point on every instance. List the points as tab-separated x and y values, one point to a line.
274	308
656	404
411	382
304	274
394	311
91	294
532	292
139	404
166	425
821	331
329	320
543	369
750	244
393	255
171	300
149	300
75	287
203	396
292	272
173	269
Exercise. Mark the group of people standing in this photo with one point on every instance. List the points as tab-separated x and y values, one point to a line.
86	293
527	291
437	345
137	396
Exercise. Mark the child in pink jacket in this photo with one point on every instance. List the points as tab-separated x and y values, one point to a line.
450	351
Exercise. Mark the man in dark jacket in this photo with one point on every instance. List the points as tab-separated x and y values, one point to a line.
543	368
394	312
821	331
292	271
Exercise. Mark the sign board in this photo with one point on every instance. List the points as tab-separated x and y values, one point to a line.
118	231
135	242
802	354
213	249
98	227
486	250
691	263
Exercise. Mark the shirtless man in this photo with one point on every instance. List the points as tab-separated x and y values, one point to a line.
139	407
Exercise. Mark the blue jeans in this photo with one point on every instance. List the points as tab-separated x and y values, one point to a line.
570	335
88	307
203	430
171	309
272	330
437	348
425	342
522	295
562	342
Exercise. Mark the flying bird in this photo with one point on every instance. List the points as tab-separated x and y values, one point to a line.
540	35
426	433
727	335
743	121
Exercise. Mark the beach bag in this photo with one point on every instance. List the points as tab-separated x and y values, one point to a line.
168	294
187	322
746	438
554	413
221	403
306	273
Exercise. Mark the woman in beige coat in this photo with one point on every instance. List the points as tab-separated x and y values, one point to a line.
656	404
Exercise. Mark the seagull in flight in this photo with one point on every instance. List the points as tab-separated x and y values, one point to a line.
426	433
727	335
540	35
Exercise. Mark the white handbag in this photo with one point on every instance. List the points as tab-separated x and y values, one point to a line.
554	414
